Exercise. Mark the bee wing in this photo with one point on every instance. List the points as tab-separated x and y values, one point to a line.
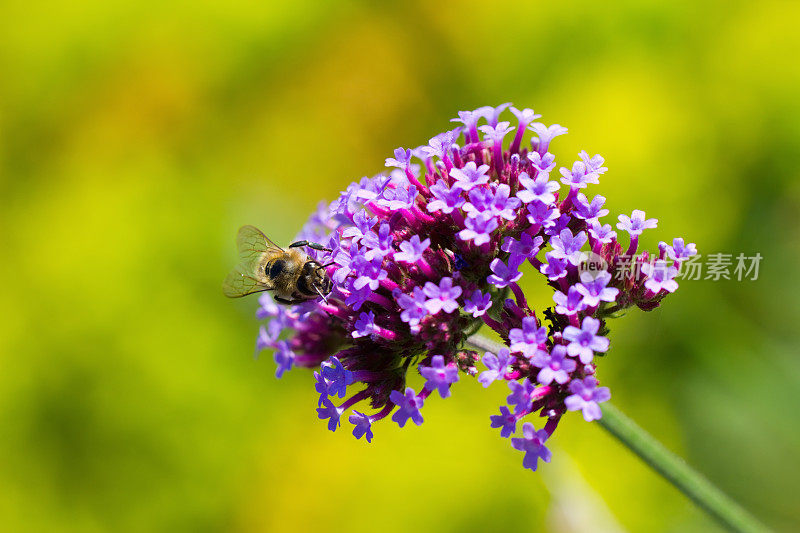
243	280
252	243
248	277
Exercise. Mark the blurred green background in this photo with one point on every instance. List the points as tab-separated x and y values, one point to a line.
135	138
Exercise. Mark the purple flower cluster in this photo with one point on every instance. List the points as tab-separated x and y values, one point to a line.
425	254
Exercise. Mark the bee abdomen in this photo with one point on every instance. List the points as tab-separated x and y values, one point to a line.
276	268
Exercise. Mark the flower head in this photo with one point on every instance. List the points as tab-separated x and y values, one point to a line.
425	253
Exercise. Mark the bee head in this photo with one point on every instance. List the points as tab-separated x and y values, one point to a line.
317	278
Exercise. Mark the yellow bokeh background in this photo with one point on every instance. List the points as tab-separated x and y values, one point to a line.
135	138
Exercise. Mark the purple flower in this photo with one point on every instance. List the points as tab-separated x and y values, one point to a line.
544	164
554	365
265	339
369	273
594	288
321	386
545	136
585	341
526	246
521	395
543	214
413	307
398	198
505	275
410	245
439	376
553	267
380	244
660	275
589	211
357	297
525	116
470	121
362	224
478	303
330	411
497	365
586	396
527	339
478	229
593	164
267	306
440	145
578	177
501	205
532	443
541	188
412	249
492	114
479	203
636	223
365	325
442	297
343	258
284	358
400	160
558	225
566	246
446	199
337	376
603	233
470	175
570	303
680	252
363	425
505	420
496	133
408	406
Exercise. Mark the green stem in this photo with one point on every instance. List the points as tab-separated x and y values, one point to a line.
674	469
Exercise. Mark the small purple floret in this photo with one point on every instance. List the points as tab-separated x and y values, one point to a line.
532	443
554	365
439	376
527	339
506	420
363	425
586	396
497	366
408	406
478	303
585	341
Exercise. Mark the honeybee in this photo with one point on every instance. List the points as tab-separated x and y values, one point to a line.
265	266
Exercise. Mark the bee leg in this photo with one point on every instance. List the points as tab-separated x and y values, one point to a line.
284	300
313	245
